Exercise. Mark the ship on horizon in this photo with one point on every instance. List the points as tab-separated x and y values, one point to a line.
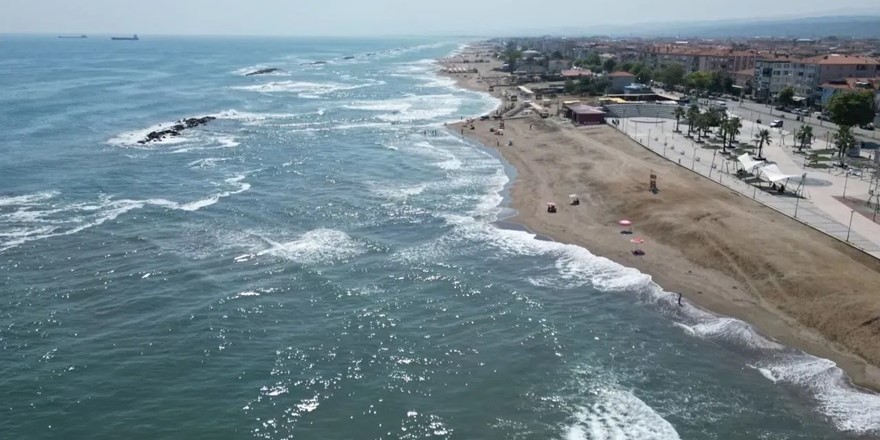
131	38
73	36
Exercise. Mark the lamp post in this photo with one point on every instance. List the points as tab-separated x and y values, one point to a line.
845	182
850	225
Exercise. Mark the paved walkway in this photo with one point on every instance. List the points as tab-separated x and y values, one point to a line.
817	208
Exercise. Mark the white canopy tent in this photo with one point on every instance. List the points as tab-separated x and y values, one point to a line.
748	163
773	174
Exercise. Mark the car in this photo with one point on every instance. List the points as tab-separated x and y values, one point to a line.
869	126
781	108
777	123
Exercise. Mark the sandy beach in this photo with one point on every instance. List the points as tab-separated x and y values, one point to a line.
722	251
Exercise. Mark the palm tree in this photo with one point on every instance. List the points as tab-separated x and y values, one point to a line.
761	138
732	127
693	114
678	113
844	140
804	136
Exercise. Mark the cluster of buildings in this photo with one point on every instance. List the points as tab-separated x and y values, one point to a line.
815	69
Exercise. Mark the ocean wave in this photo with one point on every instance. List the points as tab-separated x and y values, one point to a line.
619	414
307	89
38	222
319	246
412	107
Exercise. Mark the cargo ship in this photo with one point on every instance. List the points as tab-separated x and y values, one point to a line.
131	38
72	36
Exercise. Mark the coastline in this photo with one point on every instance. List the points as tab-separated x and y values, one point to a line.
724	253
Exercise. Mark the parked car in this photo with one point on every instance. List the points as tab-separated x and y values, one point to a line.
868	126
781	108
777	123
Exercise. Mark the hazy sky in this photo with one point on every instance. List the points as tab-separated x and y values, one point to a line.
380	17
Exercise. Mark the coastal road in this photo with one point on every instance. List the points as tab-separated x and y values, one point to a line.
752	111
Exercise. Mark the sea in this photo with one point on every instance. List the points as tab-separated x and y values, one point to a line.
324	260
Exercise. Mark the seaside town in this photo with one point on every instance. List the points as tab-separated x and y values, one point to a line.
745	170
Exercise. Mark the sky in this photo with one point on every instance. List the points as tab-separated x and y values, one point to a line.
383	17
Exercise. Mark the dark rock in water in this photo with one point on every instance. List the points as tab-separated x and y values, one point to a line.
348	58
263	71
315	63
175	129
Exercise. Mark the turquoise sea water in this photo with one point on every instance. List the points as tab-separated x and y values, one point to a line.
323	261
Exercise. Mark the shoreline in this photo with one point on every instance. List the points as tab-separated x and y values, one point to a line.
725	291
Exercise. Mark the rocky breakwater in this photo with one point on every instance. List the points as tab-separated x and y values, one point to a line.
176	129
263	71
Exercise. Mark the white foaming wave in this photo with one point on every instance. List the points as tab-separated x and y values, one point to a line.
27	199
619	415
77	217
208	162
400	193
306	89
722	327
411	107
316	247
849	408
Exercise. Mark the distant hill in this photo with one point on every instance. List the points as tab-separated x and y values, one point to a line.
812	27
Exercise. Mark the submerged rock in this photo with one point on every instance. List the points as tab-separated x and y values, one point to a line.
179	126
263	71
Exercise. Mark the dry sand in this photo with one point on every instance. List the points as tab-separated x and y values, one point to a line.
722	251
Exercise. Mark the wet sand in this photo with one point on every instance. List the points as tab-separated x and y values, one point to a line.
722	251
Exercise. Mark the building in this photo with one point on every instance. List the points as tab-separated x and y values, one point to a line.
585	115
834	67
849	85
742	78
805	76
576	73
773	75
637	89
557	66
619	81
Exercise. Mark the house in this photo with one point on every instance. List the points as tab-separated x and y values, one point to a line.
576	73
637	89
619	80
585	115
556	66
849	85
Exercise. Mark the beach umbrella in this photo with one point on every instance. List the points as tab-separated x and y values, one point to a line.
627	226
638	242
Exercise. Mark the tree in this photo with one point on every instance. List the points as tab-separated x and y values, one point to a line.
609	65
699	80
762	137
844	140
732	128
851	109
645	75
678	113
693	113
786	96
672	75
728	84
557	55
594	60
804	136
511	55
569	86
